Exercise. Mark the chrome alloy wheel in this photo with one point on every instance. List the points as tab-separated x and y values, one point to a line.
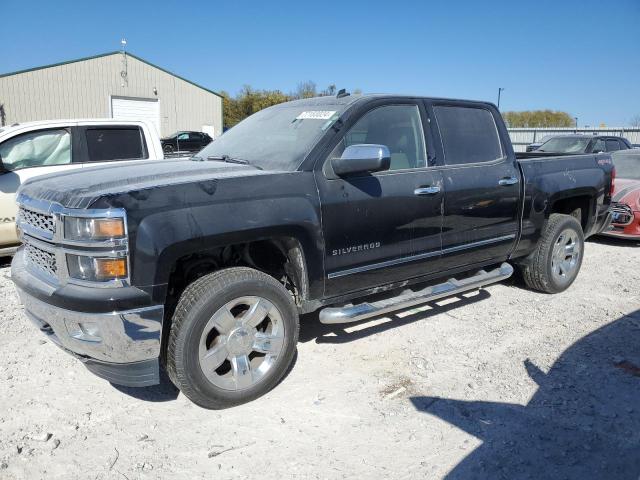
241	342
566	255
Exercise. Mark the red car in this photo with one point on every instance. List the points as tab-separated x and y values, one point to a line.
626	196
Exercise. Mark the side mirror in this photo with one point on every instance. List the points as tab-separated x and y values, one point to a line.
362	158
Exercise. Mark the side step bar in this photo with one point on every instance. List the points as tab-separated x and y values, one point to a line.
409	298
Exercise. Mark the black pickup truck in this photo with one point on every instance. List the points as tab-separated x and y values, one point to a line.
353	206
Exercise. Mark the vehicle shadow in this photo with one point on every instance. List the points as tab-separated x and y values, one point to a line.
165	391
311	328
5	261
583	421
614	242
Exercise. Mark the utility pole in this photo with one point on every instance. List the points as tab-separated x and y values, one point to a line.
576	119
500	89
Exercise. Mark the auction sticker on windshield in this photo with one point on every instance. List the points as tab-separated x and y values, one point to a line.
316	115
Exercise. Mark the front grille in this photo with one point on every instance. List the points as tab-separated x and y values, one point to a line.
40	221
40	259
622	214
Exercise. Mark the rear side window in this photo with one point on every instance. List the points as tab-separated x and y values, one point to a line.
612	145
125	143
469	135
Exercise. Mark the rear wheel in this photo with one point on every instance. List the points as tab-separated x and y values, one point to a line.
555	263
233	337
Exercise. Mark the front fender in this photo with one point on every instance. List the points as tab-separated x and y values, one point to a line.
162	236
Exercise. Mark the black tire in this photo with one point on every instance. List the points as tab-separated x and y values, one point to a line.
537	271
168	149
198	303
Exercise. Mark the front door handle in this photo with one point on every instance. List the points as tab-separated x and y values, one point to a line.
508	181
426	190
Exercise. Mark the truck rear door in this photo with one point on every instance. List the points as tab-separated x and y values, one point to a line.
481	183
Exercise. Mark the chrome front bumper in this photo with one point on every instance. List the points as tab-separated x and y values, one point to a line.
121	347
117	337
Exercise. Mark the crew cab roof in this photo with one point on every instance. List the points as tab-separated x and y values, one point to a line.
353	98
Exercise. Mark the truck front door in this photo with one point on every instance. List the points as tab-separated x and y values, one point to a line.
381	227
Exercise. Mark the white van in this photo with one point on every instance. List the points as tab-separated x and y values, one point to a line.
37	148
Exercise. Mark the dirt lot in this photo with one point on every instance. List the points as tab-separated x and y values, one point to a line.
506	383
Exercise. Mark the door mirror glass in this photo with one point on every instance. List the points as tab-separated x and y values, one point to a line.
362	158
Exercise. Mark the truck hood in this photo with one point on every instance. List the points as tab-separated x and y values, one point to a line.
81	187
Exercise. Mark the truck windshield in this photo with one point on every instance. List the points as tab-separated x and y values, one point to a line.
627	164
276	138
565	145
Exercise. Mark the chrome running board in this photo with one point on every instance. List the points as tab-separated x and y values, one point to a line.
409	298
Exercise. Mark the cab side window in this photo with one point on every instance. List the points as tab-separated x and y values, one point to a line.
469	135
123	143
36	149
612	145
399	127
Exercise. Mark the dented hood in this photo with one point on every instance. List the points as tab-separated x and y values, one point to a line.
82	187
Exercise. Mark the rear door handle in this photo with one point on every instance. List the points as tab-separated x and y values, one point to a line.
508	181
426	190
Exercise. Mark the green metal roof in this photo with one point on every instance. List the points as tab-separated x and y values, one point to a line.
106	55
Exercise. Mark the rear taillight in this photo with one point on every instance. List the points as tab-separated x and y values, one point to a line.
613	180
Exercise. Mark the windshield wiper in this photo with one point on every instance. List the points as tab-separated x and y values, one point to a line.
228	159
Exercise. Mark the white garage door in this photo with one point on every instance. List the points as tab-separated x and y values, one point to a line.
136	109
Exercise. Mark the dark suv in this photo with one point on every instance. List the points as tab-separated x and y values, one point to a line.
185	142
584	144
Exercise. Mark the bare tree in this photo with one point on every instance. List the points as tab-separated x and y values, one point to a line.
635	121
306	89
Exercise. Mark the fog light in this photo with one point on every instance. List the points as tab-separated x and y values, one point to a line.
86	331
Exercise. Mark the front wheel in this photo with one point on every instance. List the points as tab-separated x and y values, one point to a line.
233	337
555	263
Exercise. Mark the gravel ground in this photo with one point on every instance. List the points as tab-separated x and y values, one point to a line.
504	383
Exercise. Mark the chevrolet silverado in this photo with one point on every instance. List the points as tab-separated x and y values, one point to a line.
353	206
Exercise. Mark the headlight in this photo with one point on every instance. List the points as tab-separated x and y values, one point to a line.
97	269
79	228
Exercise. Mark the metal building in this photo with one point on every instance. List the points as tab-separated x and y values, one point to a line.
116	84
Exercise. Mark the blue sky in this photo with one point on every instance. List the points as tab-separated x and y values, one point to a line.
582	57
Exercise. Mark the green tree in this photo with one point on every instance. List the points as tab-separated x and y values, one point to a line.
247	102
538	119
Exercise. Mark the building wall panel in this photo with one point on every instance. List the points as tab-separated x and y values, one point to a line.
83	89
